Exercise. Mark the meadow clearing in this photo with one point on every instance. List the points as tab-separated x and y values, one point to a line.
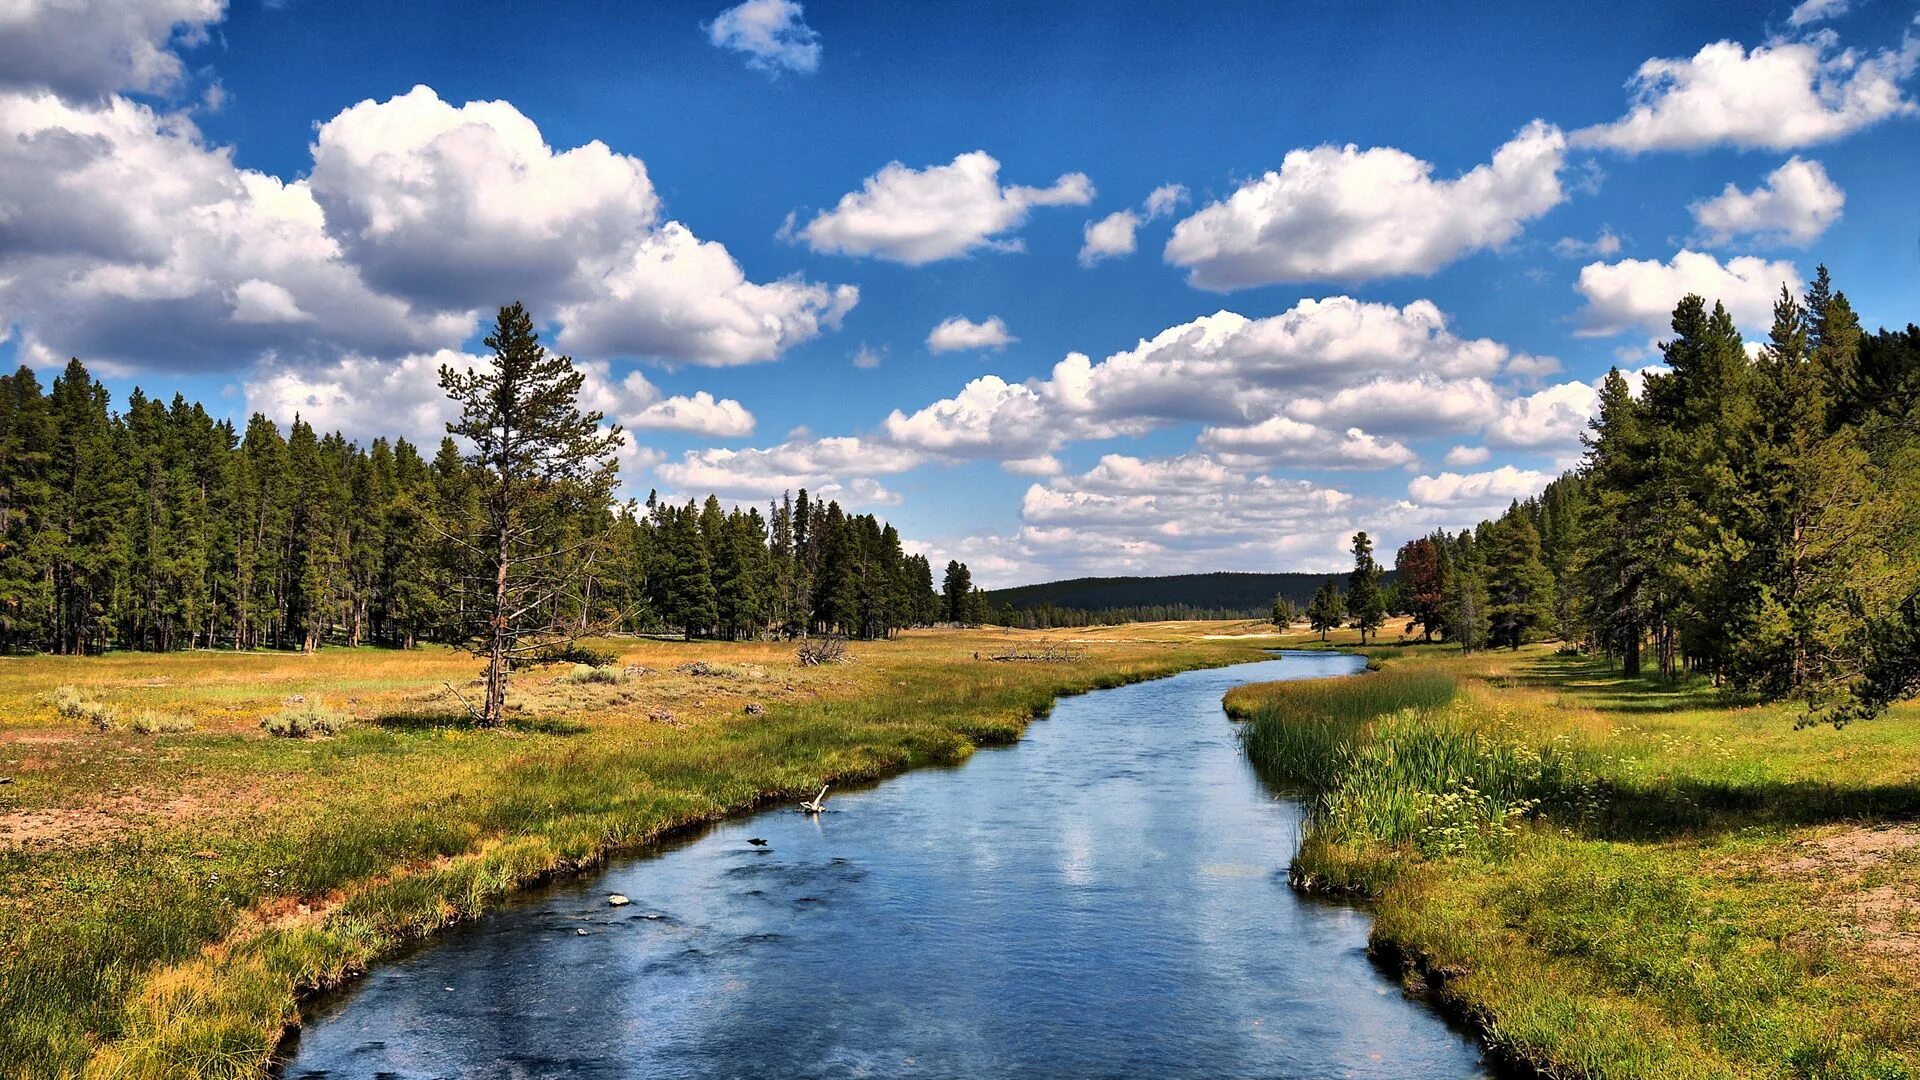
1612	877
166	898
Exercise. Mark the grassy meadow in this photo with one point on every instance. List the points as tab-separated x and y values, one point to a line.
1611	877
167	896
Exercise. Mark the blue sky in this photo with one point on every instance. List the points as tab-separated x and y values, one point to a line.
1430	227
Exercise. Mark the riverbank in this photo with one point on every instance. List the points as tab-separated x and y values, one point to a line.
1617	878
166	898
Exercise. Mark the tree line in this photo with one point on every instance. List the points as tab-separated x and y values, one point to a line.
1751	516
159	527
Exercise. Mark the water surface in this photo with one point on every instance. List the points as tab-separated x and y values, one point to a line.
1107	897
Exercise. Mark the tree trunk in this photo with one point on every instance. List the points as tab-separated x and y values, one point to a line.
496	703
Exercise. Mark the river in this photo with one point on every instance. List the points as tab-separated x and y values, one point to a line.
1107	897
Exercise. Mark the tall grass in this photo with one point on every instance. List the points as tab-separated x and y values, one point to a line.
1392	759
1611	877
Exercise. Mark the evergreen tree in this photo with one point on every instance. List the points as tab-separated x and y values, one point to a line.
1328	609
1519	589
955	588
1366	606
536	456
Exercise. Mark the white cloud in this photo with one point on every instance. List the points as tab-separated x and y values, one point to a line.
466	207
1278	440
1555	417
1164	200
1345	214
772	33
1794	206
1606	245
1113	236
1044	465
1332	364
918	216
681	298
87	49
1641	293
1421	405
843	467
1461	457
959	333
1110	237
120	220
1782	95
366	397
361	396
990	417
1808	12
701	414
418	216
867	358
1482	489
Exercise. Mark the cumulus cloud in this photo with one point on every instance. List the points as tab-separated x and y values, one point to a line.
1641	293
1333	364
1461	457
1279	440
1553	418
918	216
843	467
366	397
460	206
1110	237
120	220
701	414
679	297
418	216
990	418
1346	214
1113	236
87	49
959	333
1482	489
1794	206
773	34
1782	95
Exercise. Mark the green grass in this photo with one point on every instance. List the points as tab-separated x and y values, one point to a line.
1618	878
179	945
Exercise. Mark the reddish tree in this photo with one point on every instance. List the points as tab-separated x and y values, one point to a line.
1417	568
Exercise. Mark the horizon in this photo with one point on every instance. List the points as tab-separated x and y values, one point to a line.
1161	298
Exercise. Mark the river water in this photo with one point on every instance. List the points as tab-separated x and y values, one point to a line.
1108	897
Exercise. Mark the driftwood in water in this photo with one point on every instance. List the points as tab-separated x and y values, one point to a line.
817	804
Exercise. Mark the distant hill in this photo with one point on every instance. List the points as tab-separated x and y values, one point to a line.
1228	594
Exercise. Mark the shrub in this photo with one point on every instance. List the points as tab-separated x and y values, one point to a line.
306	720
154	722
587	673
73	705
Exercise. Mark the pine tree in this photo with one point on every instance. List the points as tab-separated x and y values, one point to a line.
1328	609
536	456
1365	604
1519	589
954	588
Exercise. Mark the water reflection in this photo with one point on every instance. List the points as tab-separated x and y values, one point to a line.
1106	898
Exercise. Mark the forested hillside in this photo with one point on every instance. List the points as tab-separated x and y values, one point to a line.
161	528
1753	517
1094	600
